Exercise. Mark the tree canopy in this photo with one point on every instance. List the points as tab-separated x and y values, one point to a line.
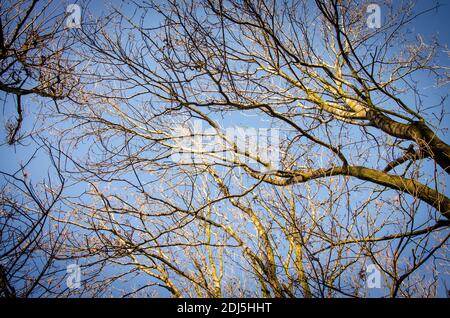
203	148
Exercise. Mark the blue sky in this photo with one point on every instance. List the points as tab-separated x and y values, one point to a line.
435	23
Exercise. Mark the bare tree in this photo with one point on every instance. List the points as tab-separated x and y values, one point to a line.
30	243
34	55
35	68
356	174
